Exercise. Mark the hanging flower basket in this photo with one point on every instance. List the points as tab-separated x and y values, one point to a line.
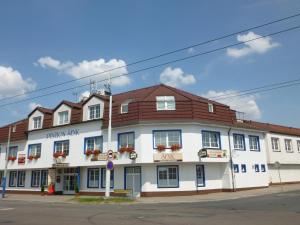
96	152
161	148
175	147
88	152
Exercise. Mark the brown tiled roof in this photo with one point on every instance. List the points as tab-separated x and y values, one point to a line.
20	134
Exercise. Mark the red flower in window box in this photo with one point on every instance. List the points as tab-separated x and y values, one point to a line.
161	148
175	147
59	154
96	152
129	149
12	158
36	157
30	157
122	149
88	152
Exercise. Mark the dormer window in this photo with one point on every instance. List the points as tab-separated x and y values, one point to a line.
37	122
165	103
14	128
124	108
94	112
63	117
210	107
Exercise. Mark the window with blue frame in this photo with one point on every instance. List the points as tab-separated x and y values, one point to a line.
21	178
167	138
211	139
13	151
243	168
167	177
13	179
1	177
62	147
254	143
34	150
200	175
93	143
44	178
239	142
236	168
126	140
256	167
263	168
35	178
103	178
93	178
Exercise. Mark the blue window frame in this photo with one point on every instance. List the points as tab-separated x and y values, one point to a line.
93	178
236	168
200	175
167	138
12	179
254	143
211	139
239	142
93	143
256	166
21	178
35	178
263	168
103	178
167	176
62	146
126	140
34	150
44	178
243	168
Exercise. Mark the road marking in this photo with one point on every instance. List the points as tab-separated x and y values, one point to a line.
6	209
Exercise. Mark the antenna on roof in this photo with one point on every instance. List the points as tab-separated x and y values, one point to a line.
75	94
107	86
93	87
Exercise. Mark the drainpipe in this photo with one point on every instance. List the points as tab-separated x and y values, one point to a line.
231	161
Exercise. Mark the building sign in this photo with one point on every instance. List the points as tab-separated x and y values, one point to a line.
64	133
60	165
167	157
212	153
21	159
103	157
133	155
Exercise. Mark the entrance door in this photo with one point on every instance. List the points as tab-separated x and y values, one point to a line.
69	184
133	180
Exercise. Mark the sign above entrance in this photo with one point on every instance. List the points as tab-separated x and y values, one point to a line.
64	133
60	165
103	157
167	157
212	153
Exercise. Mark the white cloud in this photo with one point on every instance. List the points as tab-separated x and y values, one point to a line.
176	77
86	68
258	46
246	103
12	83
84	95
191	50
33	105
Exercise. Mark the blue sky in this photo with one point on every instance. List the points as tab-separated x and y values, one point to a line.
43	43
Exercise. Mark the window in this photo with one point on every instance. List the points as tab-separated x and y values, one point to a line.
14	129
210	107
62	147
167	138
124	108
44	178
298	145
13	178
288	145
236	168
200	175
243	168
13	151
35	178
94	112
34	150
275	144
167	177
256	166
126	140
103	178
165	103
239	142
21	178
37	122
1	177
93	143
211	139
254	143
93	178
263	168
63	117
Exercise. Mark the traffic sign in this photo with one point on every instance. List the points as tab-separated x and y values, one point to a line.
110	165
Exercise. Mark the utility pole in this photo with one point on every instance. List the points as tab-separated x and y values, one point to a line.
107	180
6	163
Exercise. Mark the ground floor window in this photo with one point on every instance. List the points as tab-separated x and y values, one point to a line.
236	168
243	168
1	177
200	175
44	178
35	178
263	168
93	178
13	178
256	166
103	178
21	178
167	176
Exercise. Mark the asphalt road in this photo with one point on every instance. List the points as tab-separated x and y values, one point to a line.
275	209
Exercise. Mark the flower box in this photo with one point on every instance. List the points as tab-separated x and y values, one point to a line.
31	157
175	147
12	158
161	148
96	152
88	152
122	149
59	154
36	157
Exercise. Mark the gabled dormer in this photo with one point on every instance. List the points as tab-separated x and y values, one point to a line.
63	113
93	107
37	117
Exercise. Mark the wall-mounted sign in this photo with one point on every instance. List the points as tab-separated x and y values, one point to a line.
212	153
133	155
103	156
167	157
110	165
21	159
60	165
64	133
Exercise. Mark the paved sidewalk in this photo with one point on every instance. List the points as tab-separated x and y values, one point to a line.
178	199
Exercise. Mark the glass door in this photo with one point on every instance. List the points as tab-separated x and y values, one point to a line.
133	180
69	184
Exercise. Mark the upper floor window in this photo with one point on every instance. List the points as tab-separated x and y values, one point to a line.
211	139
124	108
14	129
62	147
94	112
34	150
210	107
254	143
165	103
126	140
298	145
167	138
93	143
288	145
275	144
63	117
239	141
13	151
37	122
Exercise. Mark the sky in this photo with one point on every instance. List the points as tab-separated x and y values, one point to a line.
43	43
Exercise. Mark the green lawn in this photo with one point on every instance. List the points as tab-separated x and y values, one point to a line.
98	200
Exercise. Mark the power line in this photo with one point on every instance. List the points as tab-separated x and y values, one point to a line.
158	65
157	56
